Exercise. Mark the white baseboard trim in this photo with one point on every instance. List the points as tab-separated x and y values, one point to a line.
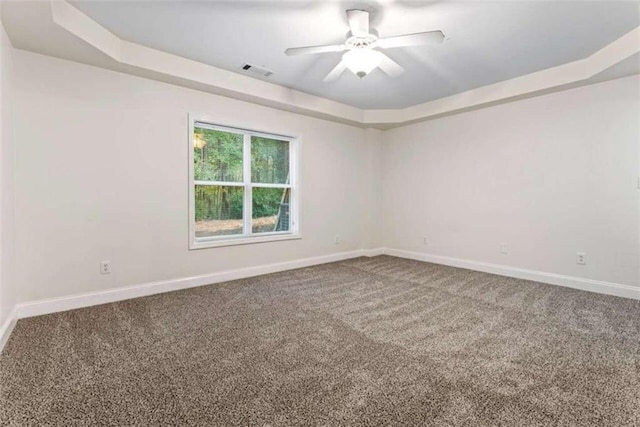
7	327
373	252
590	285
53	305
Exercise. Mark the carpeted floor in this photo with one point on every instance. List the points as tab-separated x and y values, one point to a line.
369	341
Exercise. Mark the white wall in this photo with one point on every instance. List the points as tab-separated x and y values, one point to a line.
101	174
7	284
549	176
372	220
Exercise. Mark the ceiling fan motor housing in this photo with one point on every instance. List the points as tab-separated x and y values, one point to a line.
359	42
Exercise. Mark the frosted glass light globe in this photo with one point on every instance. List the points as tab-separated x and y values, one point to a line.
362	61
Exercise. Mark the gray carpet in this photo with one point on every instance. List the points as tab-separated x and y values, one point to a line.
369	341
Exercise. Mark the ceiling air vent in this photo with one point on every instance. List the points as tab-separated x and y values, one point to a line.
254	69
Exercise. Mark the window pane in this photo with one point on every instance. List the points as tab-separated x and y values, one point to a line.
218	210
269	160
217	155
270	210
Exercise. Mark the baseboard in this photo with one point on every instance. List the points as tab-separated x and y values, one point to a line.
373	252
590	285
7	327
53	305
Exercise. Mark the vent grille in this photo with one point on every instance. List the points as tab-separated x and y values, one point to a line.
256	70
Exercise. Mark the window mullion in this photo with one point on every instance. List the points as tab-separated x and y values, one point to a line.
246	175
293	195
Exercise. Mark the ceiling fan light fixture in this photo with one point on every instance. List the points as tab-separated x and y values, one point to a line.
362	61
361	57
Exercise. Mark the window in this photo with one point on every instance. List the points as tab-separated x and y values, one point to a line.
242	186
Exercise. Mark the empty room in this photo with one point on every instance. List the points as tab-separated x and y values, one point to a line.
319	213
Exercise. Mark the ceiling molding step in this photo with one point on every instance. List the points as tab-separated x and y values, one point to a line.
561	77
151	63
181	70
85	28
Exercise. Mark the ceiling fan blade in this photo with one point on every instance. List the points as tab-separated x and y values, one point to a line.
358	22
390	66
336	72
431	37
293	51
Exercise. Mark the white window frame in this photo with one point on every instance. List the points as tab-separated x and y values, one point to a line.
247	237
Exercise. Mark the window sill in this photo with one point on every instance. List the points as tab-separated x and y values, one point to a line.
232	241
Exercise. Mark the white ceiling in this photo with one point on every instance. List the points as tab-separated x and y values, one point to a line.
486	42
30	26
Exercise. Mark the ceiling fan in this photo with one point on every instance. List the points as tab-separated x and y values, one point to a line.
361	56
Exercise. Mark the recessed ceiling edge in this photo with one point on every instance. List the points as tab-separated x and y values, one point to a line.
158	65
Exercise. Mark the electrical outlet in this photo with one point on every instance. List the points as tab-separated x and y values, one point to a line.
336	240
105	267
504	249
581	258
